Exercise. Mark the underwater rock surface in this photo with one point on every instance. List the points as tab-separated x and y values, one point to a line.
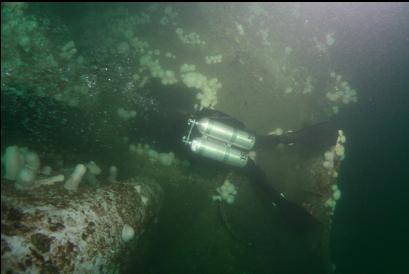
51	230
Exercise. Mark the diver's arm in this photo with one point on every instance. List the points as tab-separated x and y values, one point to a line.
267	141
320	134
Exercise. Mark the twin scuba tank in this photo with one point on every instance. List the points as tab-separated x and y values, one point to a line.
219	141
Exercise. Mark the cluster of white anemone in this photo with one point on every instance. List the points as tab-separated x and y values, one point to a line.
340	92
336	153
226	192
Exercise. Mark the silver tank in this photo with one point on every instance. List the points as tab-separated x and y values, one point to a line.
225	133
219	151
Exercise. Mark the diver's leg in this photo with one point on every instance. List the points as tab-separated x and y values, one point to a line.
293	214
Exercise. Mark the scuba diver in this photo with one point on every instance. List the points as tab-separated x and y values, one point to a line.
215	135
